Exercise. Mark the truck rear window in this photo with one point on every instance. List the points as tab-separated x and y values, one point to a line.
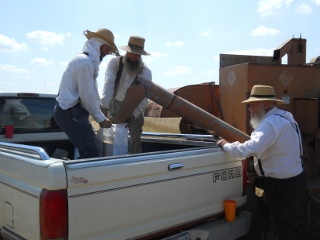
28	115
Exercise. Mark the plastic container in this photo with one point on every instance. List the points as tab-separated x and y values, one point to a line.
230	210
108	142
105	138
120	146
9	131
113	141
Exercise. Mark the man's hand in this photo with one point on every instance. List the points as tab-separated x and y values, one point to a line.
222	142
106	123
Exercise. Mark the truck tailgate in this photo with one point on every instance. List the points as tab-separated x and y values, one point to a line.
21	181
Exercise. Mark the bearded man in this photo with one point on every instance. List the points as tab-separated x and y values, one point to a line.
119	80
276	147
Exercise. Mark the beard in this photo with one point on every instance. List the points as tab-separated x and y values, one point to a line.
256	119
133	68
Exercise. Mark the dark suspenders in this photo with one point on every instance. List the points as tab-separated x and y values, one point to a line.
119	73
295	127
260	167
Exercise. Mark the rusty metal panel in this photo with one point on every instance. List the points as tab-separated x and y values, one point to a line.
289	82
205	96
306	112
231	59
233	89
296	50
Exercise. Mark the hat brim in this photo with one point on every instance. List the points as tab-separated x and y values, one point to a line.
90	34
134	50
254	99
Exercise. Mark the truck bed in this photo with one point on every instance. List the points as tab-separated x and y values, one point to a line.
178	181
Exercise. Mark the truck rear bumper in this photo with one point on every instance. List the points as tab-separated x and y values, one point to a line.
221	229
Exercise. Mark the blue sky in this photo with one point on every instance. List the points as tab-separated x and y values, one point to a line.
184	37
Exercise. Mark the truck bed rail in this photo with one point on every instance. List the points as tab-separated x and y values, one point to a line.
24	150
195	137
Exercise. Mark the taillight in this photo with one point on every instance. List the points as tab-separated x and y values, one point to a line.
53	214
245	176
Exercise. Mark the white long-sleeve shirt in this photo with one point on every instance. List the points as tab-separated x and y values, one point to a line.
79	84
276	142
124	83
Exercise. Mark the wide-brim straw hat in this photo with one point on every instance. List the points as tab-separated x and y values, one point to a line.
105	35
135	46
262	93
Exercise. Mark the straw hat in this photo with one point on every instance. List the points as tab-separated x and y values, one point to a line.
135	45
262	93
105	35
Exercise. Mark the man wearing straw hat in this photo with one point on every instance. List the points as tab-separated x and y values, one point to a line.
119	83
78	95
276	147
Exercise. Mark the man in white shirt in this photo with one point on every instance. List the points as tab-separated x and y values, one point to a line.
276	147
78	94
119	82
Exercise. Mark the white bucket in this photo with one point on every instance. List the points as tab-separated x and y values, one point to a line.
107	148
120	144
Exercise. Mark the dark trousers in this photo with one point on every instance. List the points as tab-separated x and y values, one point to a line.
75	123
135	135
285	200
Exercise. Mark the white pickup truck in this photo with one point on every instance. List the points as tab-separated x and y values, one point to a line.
173	190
